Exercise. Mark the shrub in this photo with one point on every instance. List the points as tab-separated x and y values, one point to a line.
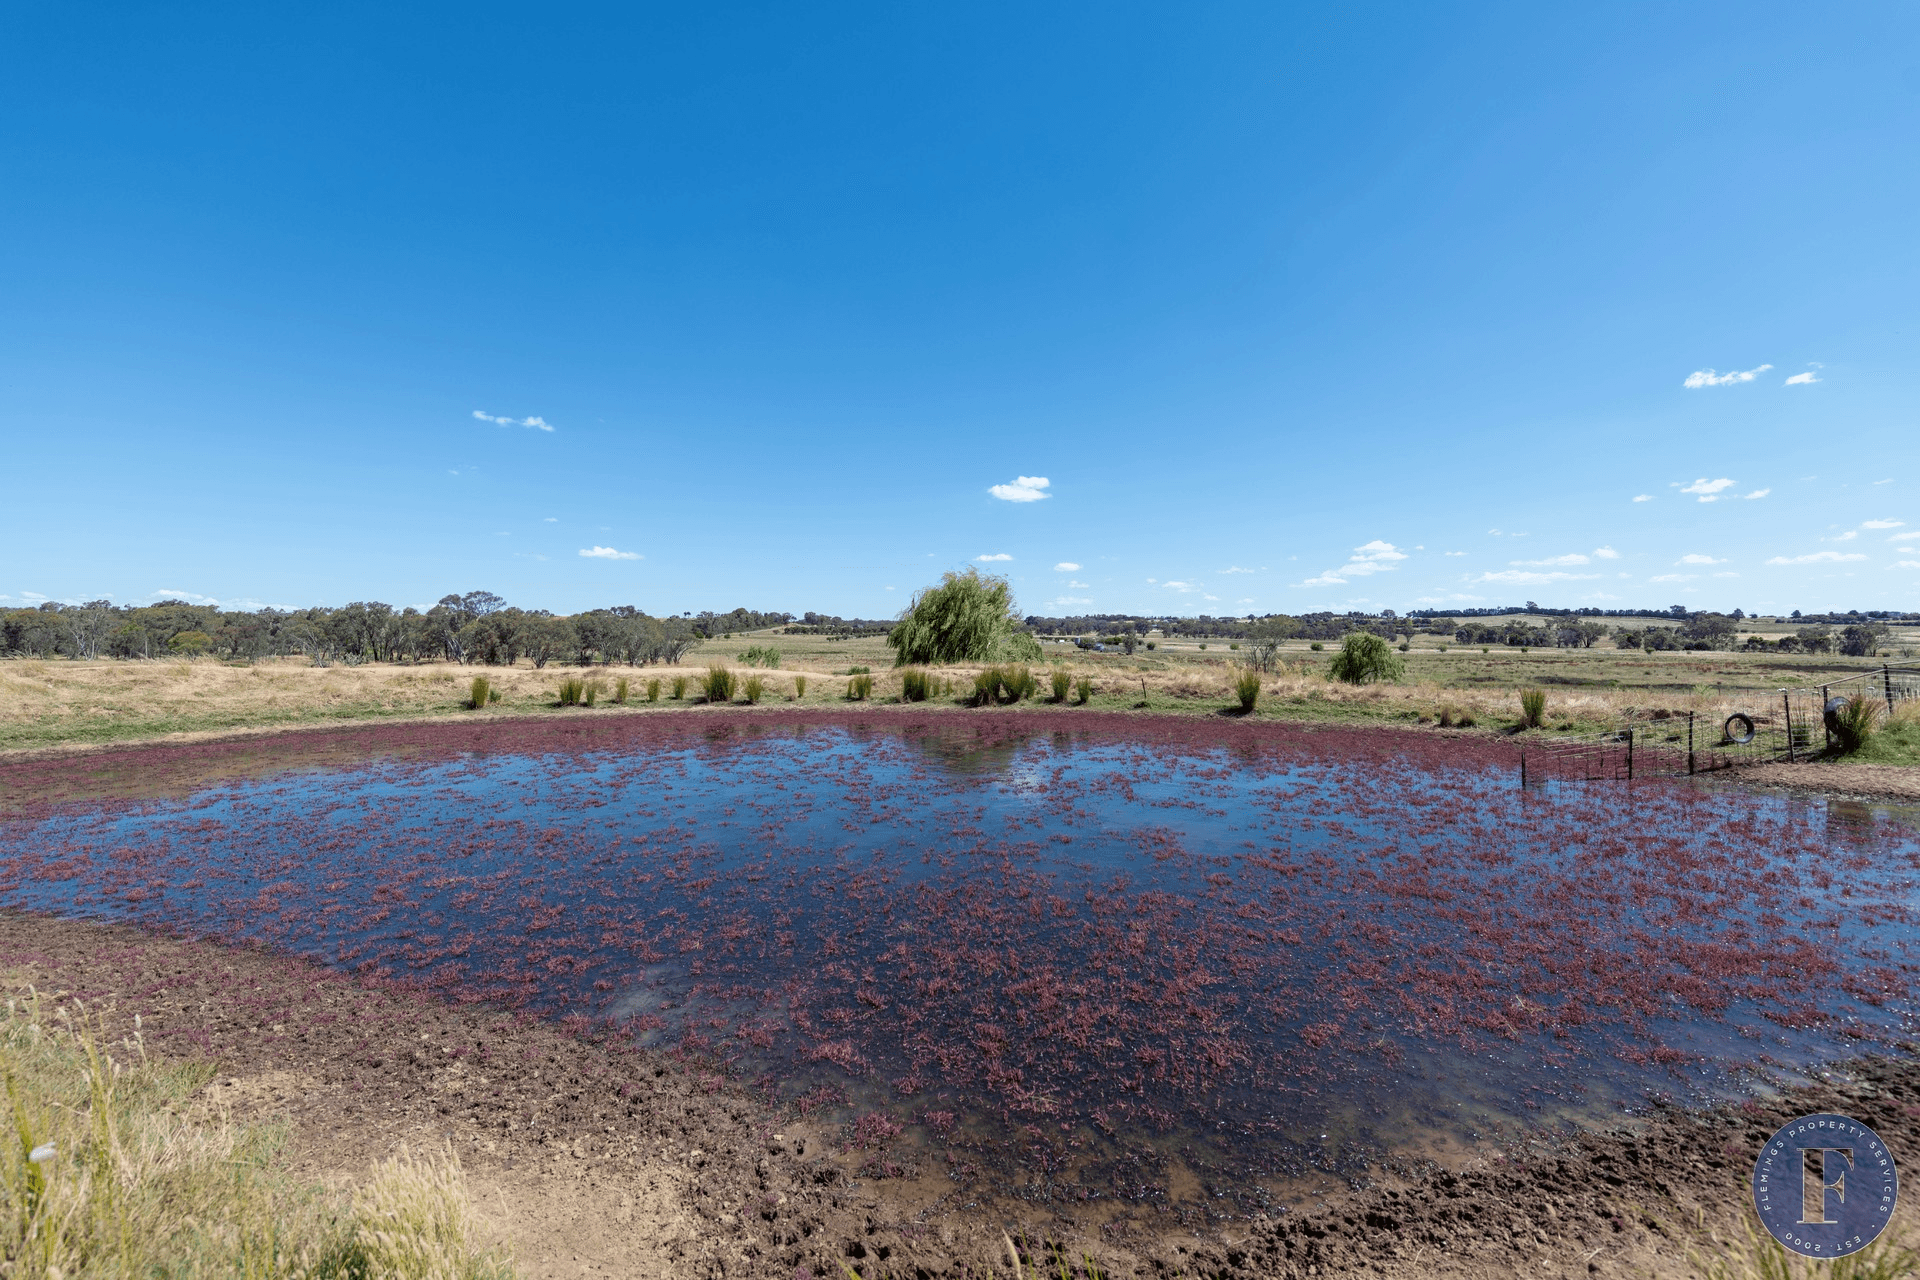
968	617
1316	646
1404	646
1203	646
1234	645
679	686
572	690
653	691
755	689
799	686
858	671
1363	657
1533	707
1061	683
1854	721
481	694
761	656
718	685
1152	645
620	691
1247	689
1443	648
917	684
859	688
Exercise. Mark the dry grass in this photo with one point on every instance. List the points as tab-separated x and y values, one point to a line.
109	1167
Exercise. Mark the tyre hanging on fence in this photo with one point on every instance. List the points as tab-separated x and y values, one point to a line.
1738	728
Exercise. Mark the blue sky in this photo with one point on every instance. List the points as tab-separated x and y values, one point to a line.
1290	307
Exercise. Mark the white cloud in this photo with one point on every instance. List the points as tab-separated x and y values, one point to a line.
998	555
174	593
1694	557
1074	584
1906	564
1709	490
1572	557
1605	553
1708	378
1368	558
538	424
1801	380
1881	524
1023	489
551	520
1066	566
1673	577
1456	553
1183	588
1905	537
1818	557
1726	574
1757	493
1643	497
1532	578
608	553
1888	480
1237	569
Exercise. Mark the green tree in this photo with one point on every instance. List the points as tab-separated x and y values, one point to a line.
968	617
1365	656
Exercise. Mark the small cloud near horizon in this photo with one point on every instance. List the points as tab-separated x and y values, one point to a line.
1694	557
1801	380
998	555
1373	557
1709	378
538	424
1643	497
1881	524
1708	490
1819	557
1066	566
1023	489
609	553
1532	578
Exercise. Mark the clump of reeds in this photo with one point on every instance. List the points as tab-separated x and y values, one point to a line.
102	1173
917	684
859	688
719	683
1247	690
754	689
1083	689
620	691
679	687
593	692
799	687
1009	683
1855	721
1533	707
653	691
1061	682
481	694
1453	717
573	691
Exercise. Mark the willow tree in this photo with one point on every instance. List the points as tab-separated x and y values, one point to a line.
968	617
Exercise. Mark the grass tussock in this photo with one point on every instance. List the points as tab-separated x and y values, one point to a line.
620	691
104	1172
1061	681
573	692
679	687
1855	722
1083	690
859	688
719	684
653	691
1764	1258
754	689
799	687
1011	683
1533	707
1449	716
480	693
1247	690
917	684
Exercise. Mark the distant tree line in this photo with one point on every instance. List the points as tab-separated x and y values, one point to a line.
478	627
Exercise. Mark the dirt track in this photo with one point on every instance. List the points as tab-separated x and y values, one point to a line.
600	1161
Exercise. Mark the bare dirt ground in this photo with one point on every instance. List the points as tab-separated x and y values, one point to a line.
593	1160
1865	781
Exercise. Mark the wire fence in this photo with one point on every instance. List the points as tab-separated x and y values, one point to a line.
1788	724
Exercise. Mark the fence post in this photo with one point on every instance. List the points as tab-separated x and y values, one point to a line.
1824	726
1629	753
1523	768
1690	752
1786	702
1886	676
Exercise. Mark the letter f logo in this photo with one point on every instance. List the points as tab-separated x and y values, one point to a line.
1815	1186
